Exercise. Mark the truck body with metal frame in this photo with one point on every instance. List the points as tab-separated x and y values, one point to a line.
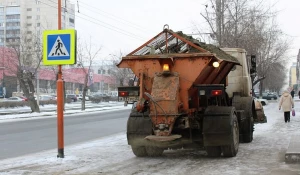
187	98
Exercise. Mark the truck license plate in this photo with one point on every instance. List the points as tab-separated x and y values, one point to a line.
129	99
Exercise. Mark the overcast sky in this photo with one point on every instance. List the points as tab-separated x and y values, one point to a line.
119	25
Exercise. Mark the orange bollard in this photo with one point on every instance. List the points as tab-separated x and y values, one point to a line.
60	115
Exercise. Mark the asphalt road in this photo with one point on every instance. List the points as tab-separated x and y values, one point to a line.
30	136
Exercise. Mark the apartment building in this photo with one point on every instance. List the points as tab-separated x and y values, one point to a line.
20	18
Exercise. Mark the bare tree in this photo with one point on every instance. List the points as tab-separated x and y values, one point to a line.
249	25
120	74
86	55
276	77
27	50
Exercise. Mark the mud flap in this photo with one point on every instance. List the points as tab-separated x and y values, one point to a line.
217	125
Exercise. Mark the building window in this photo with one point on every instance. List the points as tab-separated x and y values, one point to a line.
37	1
38	9
29	32
38	17
29	17
71	20
17	16
13	10
38	24
29	9
29	25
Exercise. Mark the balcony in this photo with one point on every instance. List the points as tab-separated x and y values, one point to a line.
13	35
13	20
12	27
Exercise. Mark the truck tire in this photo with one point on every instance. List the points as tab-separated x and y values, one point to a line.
153	151
213	151
247	126
232	149
139	151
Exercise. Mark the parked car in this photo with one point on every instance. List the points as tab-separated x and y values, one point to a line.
269	96
45	97
54	97
15	99
72	97
99	97
262	101
80	96
25	99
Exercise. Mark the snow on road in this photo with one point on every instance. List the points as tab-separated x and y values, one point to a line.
112	156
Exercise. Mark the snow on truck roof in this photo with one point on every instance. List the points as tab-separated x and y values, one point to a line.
169	42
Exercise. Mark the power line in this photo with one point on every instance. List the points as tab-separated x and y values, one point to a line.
104	24
114	17
130	35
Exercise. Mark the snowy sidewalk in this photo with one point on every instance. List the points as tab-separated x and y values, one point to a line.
113	156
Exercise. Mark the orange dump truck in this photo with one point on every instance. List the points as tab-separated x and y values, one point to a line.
183	99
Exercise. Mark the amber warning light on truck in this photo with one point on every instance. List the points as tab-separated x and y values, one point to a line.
166	68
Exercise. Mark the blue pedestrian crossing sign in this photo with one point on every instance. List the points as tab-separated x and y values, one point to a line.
59	47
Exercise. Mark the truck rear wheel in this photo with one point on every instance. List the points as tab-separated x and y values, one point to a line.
232	149
213	151
153	151
139	151
247	104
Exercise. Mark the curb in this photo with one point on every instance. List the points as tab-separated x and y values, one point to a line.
89	106
292	154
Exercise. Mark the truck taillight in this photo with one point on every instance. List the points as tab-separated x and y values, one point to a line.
123	93
216	92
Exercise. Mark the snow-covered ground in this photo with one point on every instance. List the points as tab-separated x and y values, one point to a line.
112	156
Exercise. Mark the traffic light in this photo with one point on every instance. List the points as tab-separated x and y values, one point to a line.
253	64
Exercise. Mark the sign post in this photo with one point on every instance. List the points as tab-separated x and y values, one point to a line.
59	48
60	102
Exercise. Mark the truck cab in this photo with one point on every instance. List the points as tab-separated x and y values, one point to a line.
239	79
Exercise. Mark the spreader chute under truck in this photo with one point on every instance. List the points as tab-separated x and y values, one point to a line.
186	97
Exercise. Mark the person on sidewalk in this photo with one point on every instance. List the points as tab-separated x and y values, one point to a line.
292	93
287	103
